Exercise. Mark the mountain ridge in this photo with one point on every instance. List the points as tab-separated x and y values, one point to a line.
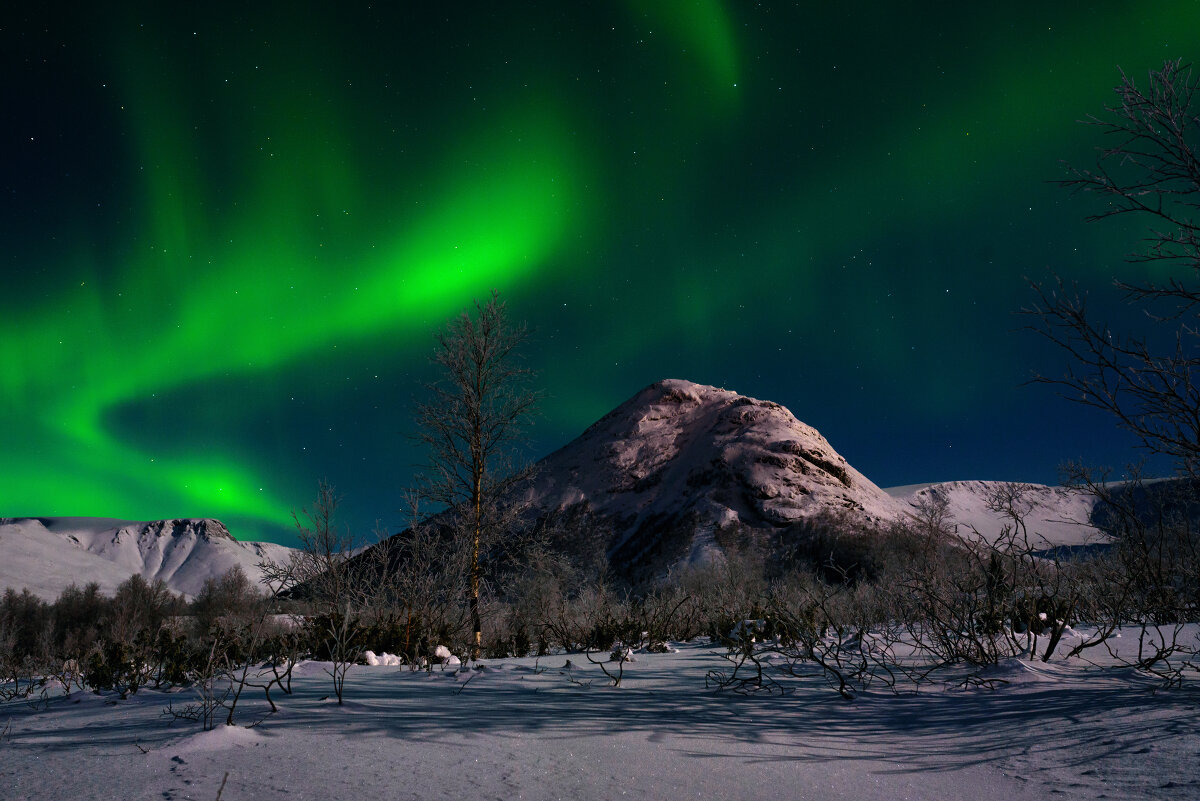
45	554
657	481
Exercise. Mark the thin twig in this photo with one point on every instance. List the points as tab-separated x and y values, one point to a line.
221	789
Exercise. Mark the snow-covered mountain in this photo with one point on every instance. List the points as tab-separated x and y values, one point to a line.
1054	516
47	554
678	462
666	472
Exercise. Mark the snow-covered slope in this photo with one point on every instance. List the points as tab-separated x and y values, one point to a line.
679	461
47	554
1054	516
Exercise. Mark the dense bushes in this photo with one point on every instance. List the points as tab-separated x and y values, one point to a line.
142	636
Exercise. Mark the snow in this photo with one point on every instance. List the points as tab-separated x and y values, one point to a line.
679	459
1055	516
375	660
46	554
442	654
216	739
45	562
528	729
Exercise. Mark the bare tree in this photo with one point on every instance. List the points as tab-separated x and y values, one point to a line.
470	423
321	571
1147	380
931	516
1150	169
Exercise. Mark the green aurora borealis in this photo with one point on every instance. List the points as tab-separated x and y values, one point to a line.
227	235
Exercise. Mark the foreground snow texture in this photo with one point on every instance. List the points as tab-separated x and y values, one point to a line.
526	729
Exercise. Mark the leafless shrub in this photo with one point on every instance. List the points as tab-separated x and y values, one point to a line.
991	599
620	654
668	612
722	592
321	573
418	583
592	619
1147	581
746	674
229	661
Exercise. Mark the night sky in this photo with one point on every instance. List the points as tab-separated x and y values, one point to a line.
228	235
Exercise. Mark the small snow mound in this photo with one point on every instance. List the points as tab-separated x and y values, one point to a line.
385	658
442	656
1011	666
217	739
1016	670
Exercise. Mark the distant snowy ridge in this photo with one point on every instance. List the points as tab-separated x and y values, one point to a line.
1054	516
46	554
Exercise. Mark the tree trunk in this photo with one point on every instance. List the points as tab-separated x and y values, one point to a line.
476	623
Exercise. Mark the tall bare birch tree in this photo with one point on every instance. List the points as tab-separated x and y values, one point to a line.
471	422
1149	167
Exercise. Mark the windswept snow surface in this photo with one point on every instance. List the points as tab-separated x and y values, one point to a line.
532	729
46	554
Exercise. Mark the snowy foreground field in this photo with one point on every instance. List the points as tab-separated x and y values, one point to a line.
528	729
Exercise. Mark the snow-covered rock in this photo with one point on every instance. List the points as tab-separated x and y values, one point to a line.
47	554
384	659
442	656
665	472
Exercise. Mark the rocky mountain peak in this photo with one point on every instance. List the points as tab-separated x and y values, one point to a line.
206	529
679	461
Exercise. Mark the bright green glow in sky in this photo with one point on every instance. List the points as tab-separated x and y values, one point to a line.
210	294
230	233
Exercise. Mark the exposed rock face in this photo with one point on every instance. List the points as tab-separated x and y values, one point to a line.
679	461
